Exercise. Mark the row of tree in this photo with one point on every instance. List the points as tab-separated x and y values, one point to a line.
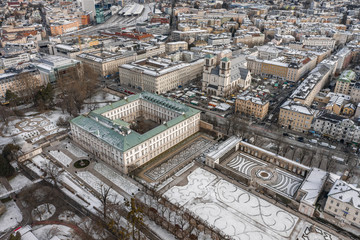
9	153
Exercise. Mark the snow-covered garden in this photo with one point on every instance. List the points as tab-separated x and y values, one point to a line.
231	209
116	178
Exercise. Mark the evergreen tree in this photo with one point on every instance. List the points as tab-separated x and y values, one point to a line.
10	96
17	236
6	170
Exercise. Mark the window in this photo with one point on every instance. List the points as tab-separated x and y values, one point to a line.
337	204
335	210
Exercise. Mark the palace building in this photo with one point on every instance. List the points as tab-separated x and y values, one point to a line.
128	133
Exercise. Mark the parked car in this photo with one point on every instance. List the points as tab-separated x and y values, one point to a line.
285	134
300	139
324	144
332	147
313	141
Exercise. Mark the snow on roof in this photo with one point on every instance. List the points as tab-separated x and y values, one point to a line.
313	185
347	193
223	148
275	155
297	107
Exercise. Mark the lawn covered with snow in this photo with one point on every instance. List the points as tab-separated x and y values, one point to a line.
43	211
235	211
81	195
46	232
99	186
76	151
61	157
19	181
116	178
11	218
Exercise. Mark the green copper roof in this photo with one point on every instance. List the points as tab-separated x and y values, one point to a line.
225	59
209	56
347	76
117	132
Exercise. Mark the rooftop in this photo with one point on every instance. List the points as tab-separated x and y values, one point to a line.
117	133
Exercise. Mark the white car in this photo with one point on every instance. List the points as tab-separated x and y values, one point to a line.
313	141
332	147
324	144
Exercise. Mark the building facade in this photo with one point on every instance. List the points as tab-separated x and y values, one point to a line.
252	106
159	75
343	203
18	82
337	127
296	116
107	133
104	62
343	83
224	78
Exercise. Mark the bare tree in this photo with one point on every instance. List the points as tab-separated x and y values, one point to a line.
104	198
52	173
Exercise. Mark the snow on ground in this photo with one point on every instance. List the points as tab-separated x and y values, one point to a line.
76	151
61	157
11	218
46	232
231	209
116	178
19	182
34	168
81	195
43	212
103	97
2	189
69	216
162	233
99	186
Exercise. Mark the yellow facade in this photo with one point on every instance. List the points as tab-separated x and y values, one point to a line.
252	108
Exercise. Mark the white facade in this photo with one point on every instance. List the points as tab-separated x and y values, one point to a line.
159	75
7	62
225	78
319	41
343	202
122	147
337	127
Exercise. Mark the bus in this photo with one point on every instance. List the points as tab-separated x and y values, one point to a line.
230	102
196	103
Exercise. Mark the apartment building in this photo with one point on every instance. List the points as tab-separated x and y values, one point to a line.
252	106
318	41
355	93
159	75
343	203
175	46
296	116
184	35
106	63
337	127
63	26
344	58
226	77
107	132
250	38
283	67
344	82
316	80
19	80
